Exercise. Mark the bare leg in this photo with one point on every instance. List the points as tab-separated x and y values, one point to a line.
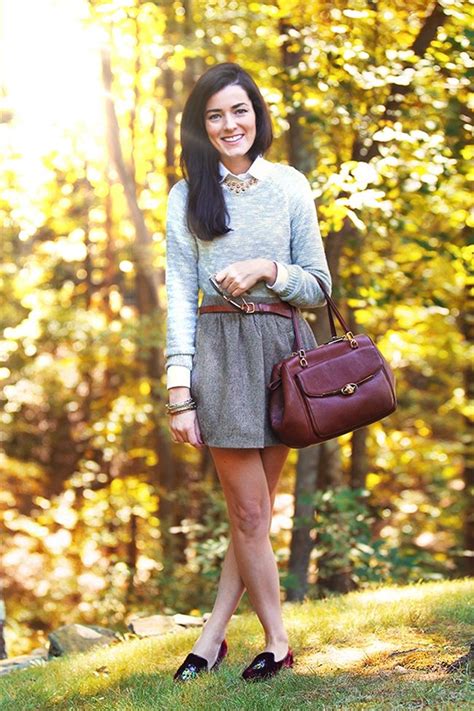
243	480
231	586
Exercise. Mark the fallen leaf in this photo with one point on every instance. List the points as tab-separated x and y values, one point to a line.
101	670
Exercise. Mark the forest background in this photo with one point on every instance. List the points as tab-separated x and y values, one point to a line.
101	515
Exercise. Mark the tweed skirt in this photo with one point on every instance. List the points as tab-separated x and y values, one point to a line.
232	365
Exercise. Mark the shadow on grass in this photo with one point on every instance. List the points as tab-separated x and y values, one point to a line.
374	650
368	685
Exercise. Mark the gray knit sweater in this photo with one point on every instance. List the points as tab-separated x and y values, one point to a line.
274	219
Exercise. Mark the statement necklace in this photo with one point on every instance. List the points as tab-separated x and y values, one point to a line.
239	186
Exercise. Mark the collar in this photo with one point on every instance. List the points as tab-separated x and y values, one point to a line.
259	169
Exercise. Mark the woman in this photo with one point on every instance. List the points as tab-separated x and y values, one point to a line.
251	224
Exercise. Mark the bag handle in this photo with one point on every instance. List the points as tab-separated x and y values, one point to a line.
332	308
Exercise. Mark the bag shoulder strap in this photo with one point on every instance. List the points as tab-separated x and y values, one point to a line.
331	309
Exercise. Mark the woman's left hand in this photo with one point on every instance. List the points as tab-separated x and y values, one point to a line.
238	277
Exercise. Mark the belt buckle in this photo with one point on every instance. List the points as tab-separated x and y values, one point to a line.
221	292
245	307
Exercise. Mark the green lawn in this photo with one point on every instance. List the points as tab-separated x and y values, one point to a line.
381	649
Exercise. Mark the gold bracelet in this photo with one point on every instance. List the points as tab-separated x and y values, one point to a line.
175	406
182	409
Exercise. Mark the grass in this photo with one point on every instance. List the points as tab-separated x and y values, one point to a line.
380	649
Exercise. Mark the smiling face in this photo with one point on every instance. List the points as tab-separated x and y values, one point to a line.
231	128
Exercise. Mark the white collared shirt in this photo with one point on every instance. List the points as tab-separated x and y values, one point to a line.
259	169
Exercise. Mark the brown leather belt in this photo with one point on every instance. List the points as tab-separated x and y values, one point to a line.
282	309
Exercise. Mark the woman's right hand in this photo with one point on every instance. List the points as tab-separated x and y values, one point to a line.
184	427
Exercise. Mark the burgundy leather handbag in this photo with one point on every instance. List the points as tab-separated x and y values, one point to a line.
332	389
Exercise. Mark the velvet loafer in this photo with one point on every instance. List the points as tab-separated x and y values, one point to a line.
264	666
194	665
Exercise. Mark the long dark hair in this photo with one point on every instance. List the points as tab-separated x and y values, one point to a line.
206	212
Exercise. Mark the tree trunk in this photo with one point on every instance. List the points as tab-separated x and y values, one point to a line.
359	461
309	469
302	543
466	563
144	244
329	463
171	114
298	155
167	473
391	112
132	555
3	647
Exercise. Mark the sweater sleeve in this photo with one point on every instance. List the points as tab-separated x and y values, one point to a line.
181	282
307	250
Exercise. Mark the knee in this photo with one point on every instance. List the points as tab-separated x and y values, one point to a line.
251	519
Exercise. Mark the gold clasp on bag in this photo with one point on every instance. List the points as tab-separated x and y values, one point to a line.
349	388
349	336
302	357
